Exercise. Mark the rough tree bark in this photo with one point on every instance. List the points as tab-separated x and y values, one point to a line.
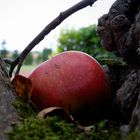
119	30
8	114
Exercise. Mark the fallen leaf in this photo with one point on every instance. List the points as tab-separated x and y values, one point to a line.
23	87
56	111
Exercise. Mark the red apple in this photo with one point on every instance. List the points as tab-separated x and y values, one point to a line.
74	81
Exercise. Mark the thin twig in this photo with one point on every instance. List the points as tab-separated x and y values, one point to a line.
52	25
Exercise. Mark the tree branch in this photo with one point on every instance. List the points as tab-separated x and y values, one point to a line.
52	25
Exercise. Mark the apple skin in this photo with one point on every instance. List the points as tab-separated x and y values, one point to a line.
74	81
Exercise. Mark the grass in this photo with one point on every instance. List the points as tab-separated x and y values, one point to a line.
27	69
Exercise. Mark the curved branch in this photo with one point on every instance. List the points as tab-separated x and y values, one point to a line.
52	25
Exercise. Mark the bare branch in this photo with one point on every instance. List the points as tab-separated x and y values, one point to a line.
52	25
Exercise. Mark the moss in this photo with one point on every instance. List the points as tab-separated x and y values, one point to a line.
54	128
135	135
103	131
112	62
51	128
24	109
104	135
32	128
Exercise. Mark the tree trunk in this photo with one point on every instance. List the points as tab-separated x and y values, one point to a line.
8	115
119	30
